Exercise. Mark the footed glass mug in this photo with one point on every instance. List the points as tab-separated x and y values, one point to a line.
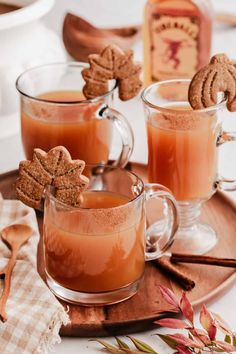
95	253
55	112
183	156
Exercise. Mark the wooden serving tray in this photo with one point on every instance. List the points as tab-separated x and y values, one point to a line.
139	312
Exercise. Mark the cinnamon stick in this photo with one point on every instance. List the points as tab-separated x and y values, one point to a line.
182	279
188	258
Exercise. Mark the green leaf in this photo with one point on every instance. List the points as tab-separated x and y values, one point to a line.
234	341
143	347
216	350
169	341
110	348
227	339
121	343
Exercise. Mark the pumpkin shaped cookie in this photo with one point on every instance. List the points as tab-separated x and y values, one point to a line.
218	76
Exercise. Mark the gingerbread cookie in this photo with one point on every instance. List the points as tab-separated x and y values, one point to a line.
112	64
55	168
218	76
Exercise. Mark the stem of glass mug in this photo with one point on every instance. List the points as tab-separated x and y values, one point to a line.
189	214
193	236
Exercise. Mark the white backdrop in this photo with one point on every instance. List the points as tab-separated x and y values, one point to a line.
115	13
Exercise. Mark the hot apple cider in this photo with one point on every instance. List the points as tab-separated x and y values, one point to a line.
183	153
88	252
63	122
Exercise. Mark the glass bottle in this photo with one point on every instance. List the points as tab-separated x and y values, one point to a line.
177	38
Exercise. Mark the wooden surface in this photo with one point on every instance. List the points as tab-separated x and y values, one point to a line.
139	312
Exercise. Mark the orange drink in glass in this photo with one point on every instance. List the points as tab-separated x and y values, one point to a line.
183	156
55	112
95	253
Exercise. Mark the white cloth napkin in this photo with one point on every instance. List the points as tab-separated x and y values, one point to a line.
34	314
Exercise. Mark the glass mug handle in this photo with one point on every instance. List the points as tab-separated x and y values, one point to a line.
222	183
153	250
124	129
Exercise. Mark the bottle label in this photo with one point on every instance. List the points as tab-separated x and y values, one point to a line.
174	50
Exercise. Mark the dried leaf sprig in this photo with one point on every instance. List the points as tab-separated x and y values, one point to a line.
197	341
122	348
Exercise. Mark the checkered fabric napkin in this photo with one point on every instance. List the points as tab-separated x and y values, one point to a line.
34	314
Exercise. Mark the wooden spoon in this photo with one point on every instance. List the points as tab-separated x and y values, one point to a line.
14	236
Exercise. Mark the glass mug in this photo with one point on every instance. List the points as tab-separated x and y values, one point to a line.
55	112
95	253
183	156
